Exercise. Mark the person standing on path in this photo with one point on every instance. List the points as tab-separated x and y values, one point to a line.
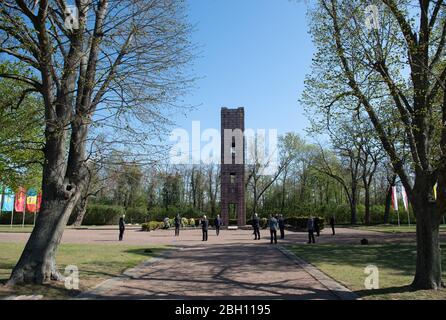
310	227
282	227
218	223
273	226
177	223
205	227
121	228
317	228
256	226
332	224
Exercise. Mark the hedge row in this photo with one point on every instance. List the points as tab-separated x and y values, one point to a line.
152	225
5	218
98	214
343	214
300	223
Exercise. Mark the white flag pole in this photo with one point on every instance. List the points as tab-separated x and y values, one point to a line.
395	203
12	216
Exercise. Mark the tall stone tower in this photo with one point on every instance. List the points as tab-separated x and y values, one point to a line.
233	166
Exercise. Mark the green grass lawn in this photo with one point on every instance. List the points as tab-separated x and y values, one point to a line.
393	228
96	263
346	263
17	228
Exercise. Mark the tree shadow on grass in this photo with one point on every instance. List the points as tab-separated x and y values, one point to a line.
385	291
149	252
47	290
399	257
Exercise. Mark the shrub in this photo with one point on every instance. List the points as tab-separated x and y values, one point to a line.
184	222
136	215
300	223
263	223
233	222
98	214
152	225
192	222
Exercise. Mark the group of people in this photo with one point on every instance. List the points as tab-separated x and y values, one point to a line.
313	226
275	223
204	226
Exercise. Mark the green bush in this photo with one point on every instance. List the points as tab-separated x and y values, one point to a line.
233	222
184	222
300	223
136	215
192	222
263	223
98	214
5	218
152	225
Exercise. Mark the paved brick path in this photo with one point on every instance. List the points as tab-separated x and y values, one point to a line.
230	266
227	271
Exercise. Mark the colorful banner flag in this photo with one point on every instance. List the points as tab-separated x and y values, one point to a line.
31	200
20	200
394	199
405	199
8	200
39	201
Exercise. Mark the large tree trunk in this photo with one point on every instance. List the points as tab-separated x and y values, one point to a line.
79	211
62	186
428	266
282	202
367	205
37	263
388	204
353	211
353	205
389	198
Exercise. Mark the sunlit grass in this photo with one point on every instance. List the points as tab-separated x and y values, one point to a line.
96	263
394	228
346	263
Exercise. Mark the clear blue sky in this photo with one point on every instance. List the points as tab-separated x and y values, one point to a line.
255	54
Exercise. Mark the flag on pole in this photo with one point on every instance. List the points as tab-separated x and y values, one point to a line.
31	200
394	199
8	200
405	199
20	200
435	191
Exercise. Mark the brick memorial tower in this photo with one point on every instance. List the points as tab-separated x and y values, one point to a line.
233	166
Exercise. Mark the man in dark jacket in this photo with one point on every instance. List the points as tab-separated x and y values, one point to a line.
177	223
256	226
218	223
273	226
332	224
282	227
310	227
121	228
317	228
205	227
